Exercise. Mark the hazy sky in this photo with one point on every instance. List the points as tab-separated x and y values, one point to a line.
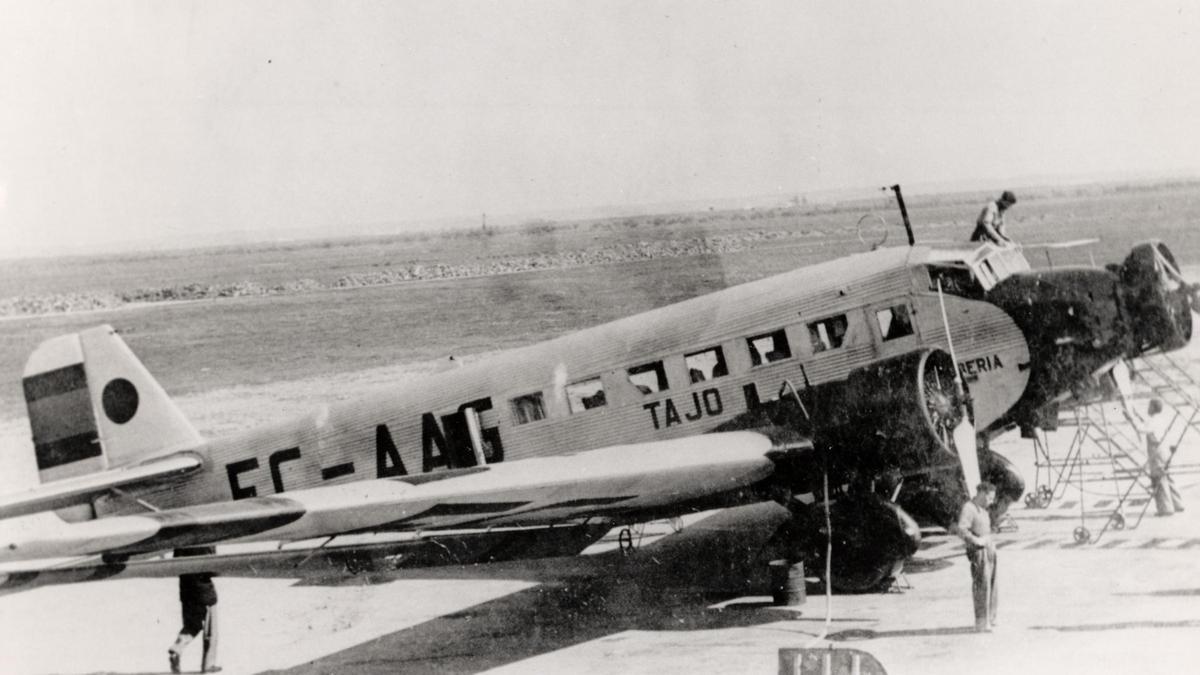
135	120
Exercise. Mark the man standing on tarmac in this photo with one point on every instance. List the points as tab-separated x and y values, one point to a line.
197	597
989	226
975	528
1167	500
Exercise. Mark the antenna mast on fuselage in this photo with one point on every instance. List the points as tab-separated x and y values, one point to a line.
912	241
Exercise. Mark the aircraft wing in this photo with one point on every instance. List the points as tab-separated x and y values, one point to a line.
82	489
319	561
624	481
1074	243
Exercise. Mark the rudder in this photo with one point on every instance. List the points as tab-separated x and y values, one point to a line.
93	406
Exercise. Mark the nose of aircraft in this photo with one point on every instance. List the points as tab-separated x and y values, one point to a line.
1159	299
1080	320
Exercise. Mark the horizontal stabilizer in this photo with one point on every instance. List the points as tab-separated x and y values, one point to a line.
82	489
626	481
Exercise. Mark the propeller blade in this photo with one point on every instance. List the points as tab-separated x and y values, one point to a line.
968	454
1124	382
964	433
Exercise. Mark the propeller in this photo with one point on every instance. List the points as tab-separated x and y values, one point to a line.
1183	296
1160	298
963	436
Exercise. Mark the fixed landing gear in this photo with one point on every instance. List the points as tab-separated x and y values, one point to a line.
358	562
1082	535
872	538
625	541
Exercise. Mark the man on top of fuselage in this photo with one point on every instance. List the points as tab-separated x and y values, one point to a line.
989	226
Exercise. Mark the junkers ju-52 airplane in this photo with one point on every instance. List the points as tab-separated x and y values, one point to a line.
844	370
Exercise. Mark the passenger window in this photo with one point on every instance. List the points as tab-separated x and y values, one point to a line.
585	395
828	333
649	378
530	408
706	365
769	348
894	322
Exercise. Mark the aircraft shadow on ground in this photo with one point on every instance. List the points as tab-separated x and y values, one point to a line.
1171	593
868	634
926	565
1123	625
665	586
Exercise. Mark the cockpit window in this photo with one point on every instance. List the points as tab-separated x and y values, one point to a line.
1006	262
972	274
955	280
988	272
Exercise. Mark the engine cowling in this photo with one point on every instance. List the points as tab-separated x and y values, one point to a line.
1159	301
904	410
1002	473
1079	320
891	419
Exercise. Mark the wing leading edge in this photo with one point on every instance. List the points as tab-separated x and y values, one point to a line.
620	481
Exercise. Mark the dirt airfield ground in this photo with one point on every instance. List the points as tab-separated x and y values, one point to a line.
1130	603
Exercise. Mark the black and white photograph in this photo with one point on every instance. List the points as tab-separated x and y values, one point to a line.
534	336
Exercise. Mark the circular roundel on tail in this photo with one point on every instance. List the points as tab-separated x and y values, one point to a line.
120	400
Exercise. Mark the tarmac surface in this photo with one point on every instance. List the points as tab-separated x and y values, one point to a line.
682	602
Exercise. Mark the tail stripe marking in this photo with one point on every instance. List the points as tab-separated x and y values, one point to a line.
54	382
67	450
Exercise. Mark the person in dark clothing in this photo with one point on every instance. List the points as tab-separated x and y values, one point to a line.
989	227
197	600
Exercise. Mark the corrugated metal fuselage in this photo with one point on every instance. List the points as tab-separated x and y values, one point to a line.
414	429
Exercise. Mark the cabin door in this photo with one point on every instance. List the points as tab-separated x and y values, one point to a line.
473	435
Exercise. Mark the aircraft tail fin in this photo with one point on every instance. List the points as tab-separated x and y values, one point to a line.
93	406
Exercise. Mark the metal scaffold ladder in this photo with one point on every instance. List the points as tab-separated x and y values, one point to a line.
1106	458
1179	391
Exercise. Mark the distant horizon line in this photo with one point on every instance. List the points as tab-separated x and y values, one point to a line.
508	220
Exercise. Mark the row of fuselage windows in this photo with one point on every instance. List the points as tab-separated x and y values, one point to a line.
709	364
